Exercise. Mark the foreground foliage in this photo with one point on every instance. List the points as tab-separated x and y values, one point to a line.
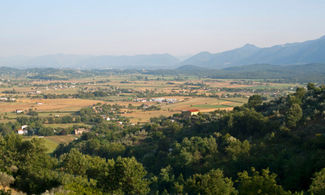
275	147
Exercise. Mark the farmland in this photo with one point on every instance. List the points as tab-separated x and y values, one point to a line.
61	98
168	123
52	107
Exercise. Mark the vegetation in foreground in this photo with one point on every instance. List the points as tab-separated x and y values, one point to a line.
274	147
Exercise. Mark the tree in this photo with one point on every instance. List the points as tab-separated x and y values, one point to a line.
74	162
194	154
125	175
300	92
254	101
234	147
6	180
259	183
317	186
293	115
212	182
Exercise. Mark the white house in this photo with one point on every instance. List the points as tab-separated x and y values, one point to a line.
22	132
3	99
80	131
19	111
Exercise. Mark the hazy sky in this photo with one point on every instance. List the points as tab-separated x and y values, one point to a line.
178	27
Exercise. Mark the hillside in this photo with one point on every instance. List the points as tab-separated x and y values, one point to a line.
262	147
287	54
295	73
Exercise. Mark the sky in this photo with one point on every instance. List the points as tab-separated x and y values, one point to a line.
130	27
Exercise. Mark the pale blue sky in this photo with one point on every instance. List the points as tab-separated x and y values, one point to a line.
178	27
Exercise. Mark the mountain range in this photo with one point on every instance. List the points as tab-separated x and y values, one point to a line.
288	54
312	51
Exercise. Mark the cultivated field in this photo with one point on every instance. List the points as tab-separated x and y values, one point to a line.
133	92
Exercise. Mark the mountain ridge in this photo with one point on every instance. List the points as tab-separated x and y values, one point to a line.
311	51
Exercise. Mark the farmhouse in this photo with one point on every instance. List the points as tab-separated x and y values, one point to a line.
3	99
188	113
19	111
161	100
23	130
107	118
80	131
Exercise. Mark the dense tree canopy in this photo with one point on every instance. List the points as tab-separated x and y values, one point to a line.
210	153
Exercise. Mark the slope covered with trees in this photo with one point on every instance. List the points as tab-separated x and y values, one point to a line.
273	147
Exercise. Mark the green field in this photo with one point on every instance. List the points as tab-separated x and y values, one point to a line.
51	142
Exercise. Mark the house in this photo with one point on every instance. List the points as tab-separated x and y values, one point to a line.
191	112
22	132
105	117
3	99
19	111
80	131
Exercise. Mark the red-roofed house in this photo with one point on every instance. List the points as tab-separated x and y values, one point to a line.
190	112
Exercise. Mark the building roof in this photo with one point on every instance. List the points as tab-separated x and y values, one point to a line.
193	110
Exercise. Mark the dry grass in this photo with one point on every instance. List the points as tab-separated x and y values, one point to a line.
47	104
185	103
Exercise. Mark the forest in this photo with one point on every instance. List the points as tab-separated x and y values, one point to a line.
262	147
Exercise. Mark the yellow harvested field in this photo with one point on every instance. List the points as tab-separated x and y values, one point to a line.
185	103
144	116
47	104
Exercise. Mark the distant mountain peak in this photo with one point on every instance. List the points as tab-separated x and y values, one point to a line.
204	53
248	45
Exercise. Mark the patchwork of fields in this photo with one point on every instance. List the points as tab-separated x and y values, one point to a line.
223	94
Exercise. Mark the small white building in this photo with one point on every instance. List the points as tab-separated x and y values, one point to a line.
22	132
80	131
19	111
3	99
